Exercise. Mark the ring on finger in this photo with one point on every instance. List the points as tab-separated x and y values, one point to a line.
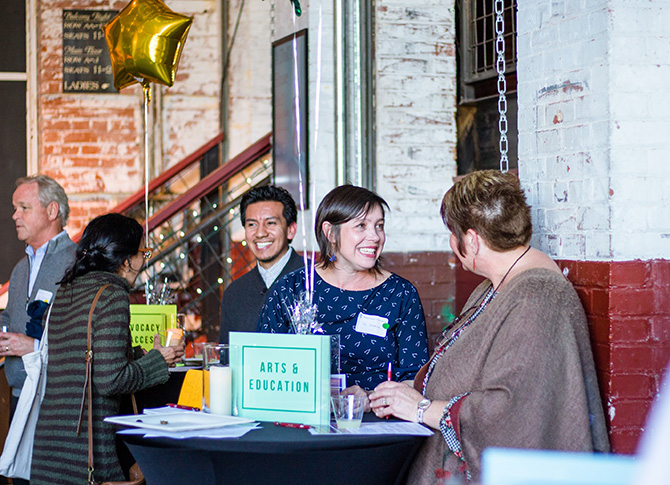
384	402
7	348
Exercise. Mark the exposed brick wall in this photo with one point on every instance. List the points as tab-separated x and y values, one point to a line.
93	143
593	122
434	277
415	59
628	307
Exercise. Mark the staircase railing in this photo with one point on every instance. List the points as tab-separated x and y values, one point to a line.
198	240
194	229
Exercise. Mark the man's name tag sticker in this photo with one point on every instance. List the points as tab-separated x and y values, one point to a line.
44	295
372	324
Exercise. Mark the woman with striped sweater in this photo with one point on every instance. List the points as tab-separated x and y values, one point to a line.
109	254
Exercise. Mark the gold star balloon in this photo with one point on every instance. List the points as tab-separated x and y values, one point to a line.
145	41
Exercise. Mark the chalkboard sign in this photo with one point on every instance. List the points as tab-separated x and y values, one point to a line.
86	64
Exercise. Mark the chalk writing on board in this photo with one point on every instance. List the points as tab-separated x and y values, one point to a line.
86	64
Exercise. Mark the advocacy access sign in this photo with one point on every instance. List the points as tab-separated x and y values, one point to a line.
148	320
278	377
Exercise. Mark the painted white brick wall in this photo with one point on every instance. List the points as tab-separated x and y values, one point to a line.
249	74
415	118
594	125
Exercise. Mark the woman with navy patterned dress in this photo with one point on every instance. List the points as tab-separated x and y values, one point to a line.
377	314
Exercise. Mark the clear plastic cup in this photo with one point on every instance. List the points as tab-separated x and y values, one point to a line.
348	411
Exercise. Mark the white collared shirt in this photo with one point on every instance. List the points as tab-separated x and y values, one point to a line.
270	275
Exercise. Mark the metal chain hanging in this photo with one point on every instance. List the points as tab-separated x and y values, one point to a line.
502	83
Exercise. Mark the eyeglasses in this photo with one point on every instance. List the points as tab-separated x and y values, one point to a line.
146	252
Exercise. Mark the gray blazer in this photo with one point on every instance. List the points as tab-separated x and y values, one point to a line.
58	258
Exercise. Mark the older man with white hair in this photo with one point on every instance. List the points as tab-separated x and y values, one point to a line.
41	211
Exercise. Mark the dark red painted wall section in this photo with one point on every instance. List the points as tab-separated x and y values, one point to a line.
433	276
628	306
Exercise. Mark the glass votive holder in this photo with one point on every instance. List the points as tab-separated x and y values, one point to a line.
217	379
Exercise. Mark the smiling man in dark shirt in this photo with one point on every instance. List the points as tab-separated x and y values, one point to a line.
269	217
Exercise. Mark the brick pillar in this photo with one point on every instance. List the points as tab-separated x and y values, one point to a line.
628	309
593	159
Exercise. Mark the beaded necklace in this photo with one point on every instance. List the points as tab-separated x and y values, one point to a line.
447	341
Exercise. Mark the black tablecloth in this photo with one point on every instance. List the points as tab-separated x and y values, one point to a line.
275	455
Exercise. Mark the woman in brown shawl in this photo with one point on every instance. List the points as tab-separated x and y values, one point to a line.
515	369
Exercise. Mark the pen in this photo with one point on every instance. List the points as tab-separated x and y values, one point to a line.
292	425
389	374
179	406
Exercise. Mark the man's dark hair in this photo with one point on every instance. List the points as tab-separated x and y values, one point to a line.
270	193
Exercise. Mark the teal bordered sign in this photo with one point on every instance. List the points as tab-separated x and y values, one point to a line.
278	377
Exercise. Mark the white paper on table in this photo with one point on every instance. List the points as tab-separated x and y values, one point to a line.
234	431
181	368
167	410
394	427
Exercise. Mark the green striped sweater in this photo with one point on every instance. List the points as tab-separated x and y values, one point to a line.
59	455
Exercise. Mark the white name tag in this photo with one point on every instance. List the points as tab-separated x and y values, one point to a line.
44	295
372	324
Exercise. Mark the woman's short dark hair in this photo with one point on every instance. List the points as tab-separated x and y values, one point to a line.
108	241
270	193
493	204
339	206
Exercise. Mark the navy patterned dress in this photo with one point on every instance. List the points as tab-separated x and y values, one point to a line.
364	356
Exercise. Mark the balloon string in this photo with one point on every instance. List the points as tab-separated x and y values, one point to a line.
298	151
316	141
146	89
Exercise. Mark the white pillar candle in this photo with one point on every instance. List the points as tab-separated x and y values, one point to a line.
220	397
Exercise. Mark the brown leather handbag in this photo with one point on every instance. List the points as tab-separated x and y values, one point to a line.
136	476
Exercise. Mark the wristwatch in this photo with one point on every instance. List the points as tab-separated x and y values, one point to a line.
421	408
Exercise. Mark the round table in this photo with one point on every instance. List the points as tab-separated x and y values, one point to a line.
276	455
